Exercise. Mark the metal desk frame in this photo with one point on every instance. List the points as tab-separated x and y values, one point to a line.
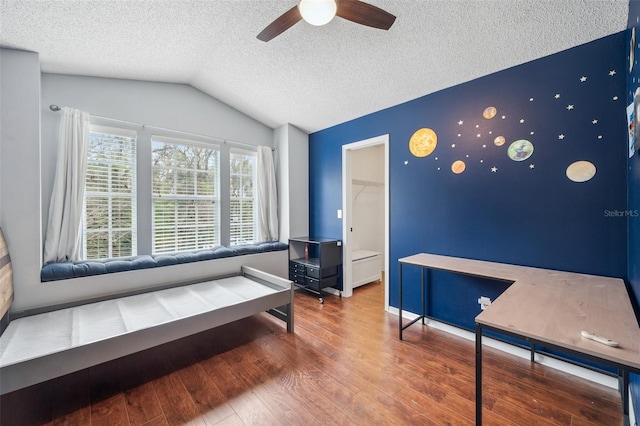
422	316
623	369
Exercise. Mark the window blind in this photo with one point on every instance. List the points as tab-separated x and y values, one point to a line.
109	223
186	195
242	202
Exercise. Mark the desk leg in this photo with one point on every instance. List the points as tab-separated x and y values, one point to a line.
533	352
624	394
422	282
478	375
400	301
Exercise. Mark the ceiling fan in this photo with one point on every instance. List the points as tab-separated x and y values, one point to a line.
320	12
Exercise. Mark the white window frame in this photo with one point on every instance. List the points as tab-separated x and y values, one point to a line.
110	195
195	197
241	199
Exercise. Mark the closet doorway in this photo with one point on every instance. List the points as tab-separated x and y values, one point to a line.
365	204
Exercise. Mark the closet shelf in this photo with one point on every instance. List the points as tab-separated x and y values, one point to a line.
365	184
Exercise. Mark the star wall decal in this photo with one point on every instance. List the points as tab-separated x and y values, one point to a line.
494	138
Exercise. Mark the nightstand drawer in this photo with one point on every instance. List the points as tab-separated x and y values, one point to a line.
296	266
298	278
320	273
317	284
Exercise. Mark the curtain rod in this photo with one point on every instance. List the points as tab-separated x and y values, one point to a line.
56	108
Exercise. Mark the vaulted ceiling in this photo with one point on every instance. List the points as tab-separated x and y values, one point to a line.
311	77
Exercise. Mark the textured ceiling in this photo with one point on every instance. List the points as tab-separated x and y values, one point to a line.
311	77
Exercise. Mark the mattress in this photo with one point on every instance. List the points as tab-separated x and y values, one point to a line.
57	331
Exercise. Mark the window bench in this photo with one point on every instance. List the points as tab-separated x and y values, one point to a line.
41	347
65	270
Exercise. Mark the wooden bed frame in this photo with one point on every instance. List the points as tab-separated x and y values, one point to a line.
41	347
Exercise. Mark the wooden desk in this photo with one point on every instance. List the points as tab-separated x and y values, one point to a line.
549	308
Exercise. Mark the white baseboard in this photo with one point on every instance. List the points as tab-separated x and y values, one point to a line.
567	367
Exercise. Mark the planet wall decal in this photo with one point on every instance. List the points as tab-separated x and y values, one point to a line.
581	171
423	142
499	141
520	150
458	167
489	112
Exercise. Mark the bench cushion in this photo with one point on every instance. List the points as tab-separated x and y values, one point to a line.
65	270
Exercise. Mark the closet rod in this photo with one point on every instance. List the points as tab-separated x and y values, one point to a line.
56	108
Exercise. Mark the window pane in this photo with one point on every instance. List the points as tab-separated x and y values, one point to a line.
97	244
184	182
121	178
97	177
242	203
185	191
162	180
121	244
97	212
121	213
247	187
205	184
164	212
109	225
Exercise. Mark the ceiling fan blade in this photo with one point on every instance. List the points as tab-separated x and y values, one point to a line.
365	14
281	24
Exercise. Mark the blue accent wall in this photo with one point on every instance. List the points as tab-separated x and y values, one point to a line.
571	108
633	208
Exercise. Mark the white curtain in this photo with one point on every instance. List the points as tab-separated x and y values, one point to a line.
64	236
267	196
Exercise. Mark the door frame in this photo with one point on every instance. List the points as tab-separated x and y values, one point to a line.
347	213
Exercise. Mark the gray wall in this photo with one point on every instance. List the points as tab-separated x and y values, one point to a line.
25	185
20	167
292	178
172	106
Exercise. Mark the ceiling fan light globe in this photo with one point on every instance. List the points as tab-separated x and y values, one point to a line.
317	12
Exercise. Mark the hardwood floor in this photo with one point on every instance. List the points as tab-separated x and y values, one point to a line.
343	365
